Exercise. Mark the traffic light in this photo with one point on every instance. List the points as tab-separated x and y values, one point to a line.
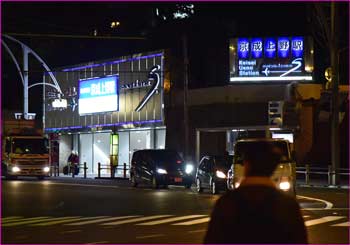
275	113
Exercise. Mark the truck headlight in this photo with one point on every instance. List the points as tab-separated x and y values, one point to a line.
284	185
161	171
46	169
15	169
189	168
220	174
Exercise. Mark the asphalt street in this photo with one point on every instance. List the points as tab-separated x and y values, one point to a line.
61	210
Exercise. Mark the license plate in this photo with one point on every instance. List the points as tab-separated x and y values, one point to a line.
176	179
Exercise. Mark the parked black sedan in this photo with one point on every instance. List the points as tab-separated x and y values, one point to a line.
160	167
211	173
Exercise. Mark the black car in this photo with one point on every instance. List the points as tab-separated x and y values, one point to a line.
211	173
160	167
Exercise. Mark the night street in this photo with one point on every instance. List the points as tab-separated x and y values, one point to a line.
105	211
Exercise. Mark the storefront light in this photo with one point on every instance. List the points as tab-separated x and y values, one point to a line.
16	169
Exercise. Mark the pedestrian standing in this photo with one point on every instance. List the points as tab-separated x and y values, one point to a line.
257	212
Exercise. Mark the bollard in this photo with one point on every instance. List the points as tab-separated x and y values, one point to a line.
72	168
84	170
58	171
98	170
124	170
307	171
111	168
330	173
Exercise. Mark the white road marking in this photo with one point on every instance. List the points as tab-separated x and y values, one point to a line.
98	242
322	220
137	220
27	222
77	218
149	236
197	231
55	220
72	231
102	220
10	218
343	224
194	222
323	209
27	219
306	216
169	220
329	205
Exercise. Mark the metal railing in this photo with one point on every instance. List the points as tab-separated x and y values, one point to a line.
54	171
112	169
330	172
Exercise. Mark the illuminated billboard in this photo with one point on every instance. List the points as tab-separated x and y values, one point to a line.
271	59
98	95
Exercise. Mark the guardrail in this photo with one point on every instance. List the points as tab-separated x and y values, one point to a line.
330	172
112	169
55	170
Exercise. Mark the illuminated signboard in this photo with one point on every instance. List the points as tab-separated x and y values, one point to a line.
271	59
98	95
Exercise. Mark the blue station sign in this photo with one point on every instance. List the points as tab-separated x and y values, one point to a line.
271	59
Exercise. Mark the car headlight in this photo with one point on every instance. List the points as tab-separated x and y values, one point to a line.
15	169
284	185
46	169
161	171
237	184
220	174
189	168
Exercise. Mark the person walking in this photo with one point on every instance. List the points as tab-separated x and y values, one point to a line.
257	212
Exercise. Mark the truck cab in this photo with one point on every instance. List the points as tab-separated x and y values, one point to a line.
285	174
25	155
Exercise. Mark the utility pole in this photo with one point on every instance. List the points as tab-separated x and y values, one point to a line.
335	93
185	54
25	78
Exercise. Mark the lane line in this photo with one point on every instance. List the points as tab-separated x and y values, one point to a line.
102	220
343	224
197	231
10	218
194	222
57	221
149	236
97	242
322	220
68	219
72	231
27	222
169	220
137	219
329	205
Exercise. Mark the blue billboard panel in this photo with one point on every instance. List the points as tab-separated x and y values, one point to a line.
297	47
243	48
98	95
257	48
283	47
270	48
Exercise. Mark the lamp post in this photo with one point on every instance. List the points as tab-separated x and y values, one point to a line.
185	54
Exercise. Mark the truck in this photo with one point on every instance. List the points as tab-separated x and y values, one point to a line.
285	174
25	152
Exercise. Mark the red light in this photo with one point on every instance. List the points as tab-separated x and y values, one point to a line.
178	161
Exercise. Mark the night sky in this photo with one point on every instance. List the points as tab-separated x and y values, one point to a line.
210	22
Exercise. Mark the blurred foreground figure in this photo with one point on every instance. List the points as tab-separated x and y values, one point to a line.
257	212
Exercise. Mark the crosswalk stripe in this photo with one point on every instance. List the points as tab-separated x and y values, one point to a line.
194	222
26	222
10	219
163	221
343	224
322	220
137	219
102	220
28	219
67	219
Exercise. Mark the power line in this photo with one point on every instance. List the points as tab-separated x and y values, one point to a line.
75	36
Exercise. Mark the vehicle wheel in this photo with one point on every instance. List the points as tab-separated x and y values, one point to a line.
198	185
41	177
213	188
154	183
133	181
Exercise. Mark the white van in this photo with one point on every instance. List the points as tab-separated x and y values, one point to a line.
284	175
